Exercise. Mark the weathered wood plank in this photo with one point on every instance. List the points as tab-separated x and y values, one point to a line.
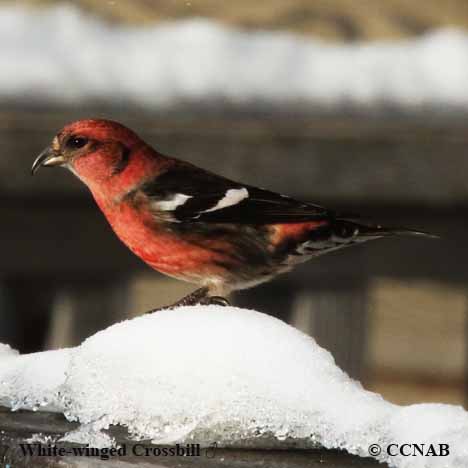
327	159
16	428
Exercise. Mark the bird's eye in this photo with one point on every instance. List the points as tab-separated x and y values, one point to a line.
77	142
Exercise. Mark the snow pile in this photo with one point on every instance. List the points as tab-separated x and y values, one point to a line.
211	374
7	351
31	381
64	56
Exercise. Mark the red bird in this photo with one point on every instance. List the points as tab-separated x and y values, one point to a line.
191	224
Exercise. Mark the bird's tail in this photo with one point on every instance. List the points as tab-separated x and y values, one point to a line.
410	232
346	231
366	230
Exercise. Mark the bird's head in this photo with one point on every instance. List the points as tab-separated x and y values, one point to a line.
94	150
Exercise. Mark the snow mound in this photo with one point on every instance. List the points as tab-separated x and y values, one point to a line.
64	56
7	351
209	374
31	381
212	374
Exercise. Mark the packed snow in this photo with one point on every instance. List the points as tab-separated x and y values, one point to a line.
61	55
31	381
237	377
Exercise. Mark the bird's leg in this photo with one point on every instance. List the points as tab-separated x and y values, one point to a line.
193	298
199	296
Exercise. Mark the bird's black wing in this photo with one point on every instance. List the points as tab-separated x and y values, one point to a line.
190	194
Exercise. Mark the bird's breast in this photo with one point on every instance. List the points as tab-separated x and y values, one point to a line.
157	245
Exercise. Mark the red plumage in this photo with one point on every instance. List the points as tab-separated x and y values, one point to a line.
189	223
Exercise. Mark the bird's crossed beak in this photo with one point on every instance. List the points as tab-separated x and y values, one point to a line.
47	158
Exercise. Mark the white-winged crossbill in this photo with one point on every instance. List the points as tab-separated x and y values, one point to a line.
194	225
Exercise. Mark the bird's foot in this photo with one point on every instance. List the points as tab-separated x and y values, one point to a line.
215	300
199	296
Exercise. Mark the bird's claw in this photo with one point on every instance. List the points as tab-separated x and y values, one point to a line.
197	297
215	300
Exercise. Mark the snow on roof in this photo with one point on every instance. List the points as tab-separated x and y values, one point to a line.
61	55
209	374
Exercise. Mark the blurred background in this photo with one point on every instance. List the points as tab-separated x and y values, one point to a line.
354	104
